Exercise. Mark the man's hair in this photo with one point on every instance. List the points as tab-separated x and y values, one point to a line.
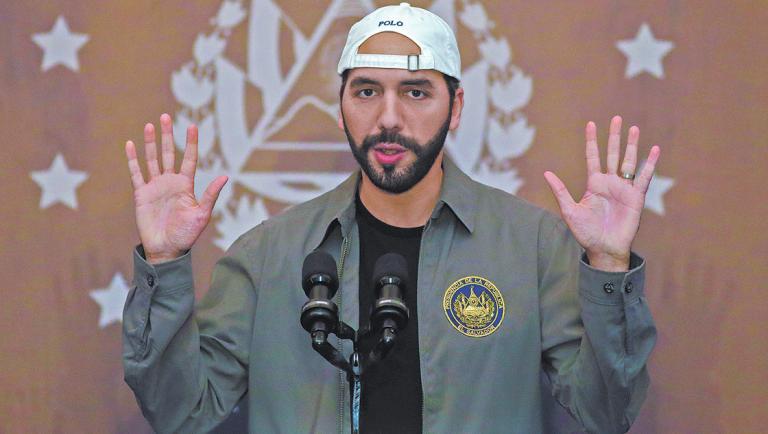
451	82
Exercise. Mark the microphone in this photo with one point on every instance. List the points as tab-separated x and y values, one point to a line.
319	315
389	313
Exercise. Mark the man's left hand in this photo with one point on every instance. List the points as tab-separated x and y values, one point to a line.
607	217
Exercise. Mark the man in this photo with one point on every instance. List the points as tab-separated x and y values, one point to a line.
499	288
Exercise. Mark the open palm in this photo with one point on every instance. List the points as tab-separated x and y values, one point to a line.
168	216
607	217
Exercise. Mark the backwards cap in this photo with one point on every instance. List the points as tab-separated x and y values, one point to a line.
434	37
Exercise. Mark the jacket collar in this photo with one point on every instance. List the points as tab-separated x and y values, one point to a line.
457	193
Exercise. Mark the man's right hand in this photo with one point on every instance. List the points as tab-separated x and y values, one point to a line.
168	216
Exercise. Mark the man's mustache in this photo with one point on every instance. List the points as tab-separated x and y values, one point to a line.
391	136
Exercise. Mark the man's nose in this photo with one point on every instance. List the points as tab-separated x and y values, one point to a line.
390	116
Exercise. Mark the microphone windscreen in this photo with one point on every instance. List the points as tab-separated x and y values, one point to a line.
390	265
319	263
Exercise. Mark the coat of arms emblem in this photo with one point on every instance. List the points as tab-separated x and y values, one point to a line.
474	306
214	91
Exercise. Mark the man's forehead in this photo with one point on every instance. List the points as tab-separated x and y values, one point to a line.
392	75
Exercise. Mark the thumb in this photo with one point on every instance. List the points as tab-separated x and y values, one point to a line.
563	197
211	193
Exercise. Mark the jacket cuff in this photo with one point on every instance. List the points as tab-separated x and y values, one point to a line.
612	287
163	277
150	281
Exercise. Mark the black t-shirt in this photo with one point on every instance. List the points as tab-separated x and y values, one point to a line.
392	395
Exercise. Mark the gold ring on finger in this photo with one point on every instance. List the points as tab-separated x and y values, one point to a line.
627	175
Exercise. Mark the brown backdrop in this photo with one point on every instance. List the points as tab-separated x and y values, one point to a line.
60	371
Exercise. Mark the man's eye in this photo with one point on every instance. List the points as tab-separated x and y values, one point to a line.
416	93
367	93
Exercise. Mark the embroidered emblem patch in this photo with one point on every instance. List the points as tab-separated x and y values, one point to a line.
474	306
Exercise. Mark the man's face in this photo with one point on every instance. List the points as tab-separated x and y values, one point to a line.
396	122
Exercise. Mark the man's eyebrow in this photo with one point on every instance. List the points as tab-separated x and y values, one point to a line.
420	82
362	81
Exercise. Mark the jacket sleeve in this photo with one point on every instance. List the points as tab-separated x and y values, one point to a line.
597	333
188	365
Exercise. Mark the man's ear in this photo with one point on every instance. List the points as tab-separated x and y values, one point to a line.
458	105
340	119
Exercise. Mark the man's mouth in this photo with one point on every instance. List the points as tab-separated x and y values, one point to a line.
389	148
388	153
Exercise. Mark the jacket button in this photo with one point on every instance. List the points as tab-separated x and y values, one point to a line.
628	288
151	281
608	288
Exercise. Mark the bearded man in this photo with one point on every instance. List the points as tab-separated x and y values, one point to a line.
500	289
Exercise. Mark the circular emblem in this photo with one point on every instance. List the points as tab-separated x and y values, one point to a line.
474	306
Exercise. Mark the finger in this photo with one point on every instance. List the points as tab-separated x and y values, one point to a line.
614	145
150	150
211	193
592	153
189	164
137	179
169	154
630	154
564	199
644	180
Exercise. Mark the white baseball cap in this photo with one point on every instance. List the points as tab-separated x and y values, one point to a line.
439	50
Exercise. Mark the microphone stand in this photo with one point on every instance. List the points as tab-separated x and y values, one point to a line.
353	366
319	316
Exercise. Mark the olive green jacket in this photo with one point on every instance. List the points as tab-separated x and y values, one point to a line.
590	331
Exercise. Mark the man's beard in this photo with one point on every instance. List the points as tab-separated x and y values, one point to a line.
401	181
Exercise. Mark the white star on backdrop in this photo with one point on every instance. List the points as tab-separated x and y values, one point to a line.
111	300
58	183
644	53
654	199
60	46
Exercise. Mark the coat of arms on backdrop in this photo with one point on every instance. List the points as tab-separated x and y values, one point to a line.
211	90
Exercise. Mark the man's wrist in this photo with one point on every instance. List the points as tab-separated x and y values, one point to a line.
608	262
157	258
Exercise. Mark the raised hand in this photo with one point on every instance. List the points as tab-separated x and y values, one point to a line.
607	217
168	216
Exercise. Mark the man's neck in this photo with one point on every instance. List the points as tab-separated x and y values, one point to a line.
409	209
